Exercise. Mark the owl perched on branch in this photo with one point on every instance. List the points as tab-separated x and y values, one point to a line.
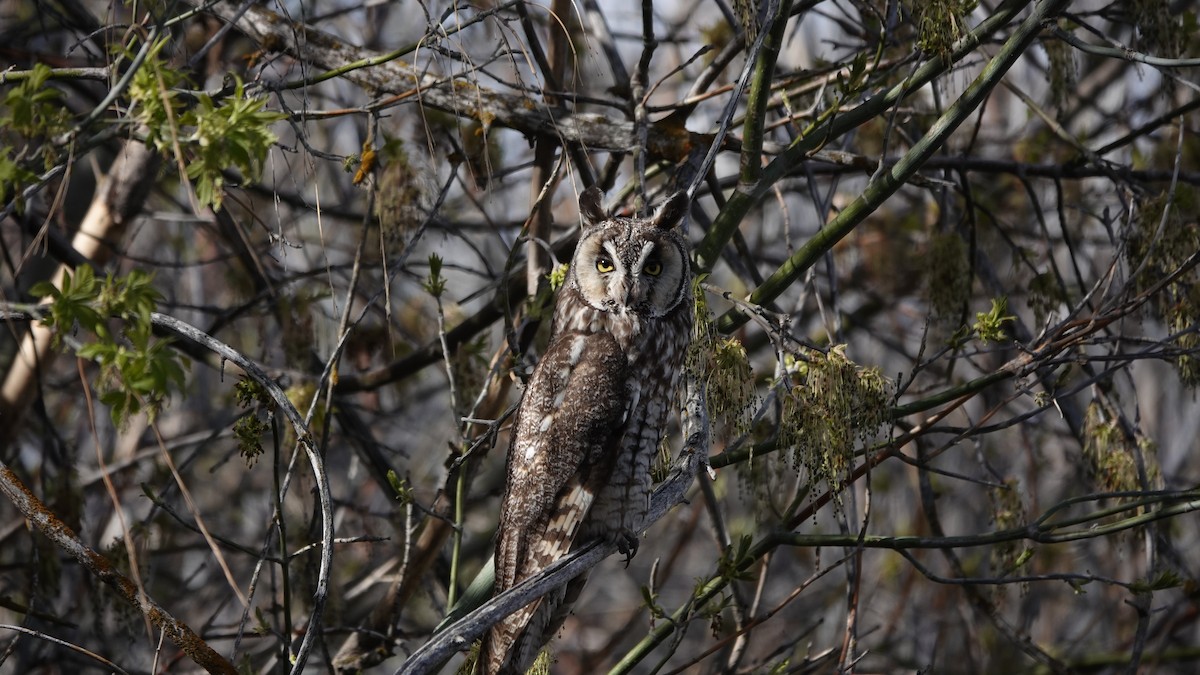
593	414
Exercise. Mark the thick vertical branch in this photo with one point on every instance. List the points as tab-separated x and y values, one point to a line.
637	87
760	93
552	63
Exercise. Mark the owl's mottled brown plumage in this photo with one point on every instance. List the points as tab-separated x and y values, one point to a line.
593	414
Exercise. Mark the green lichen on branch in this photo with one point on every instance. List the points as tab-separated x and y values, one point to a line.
1109	463
469	363
402	194
940	23
949	281
1160	29
1061	71
1111	454
1044	295
831	407
1008	512
724	367
1161	239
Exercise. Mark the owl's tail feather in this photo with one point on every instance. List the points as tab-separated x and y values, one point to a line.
501	651
511	646
508	652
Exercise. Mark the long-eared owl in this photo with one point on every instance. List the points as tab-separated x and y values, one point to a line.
593	413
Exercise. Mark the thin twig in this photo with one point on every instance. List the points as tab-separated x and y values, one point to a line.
73	647
36	512
304	439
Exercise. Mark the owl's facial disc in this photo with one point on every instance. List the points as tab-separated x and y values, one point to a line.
634	282
627	268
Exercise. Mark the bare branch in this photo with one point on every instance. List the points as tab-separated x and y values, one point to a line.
42	518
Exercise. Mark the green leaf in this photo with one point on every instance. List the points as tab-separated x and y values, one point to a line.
1161	582
989	326
12	178
136	371
72	304
235	133
153	101
33	108
736	559
44	289
404	493
650	600
436	283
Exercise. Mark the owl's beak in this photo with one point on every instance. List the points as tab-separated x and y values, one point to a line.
633	292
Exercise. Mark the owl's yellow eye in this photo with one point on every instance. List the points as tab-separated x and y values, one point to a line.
653	268
604	265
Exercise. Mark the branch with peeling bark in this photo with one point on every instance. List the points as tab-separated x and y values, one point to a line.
460	97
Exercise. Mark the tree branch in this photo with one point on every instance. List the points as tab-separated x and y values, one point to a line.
887	181
460	97
459	635
40	516
304	438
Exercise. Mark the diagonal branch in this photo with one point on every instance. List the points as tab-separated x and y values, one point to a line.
461	97
36	512
459	635
747	195
888	180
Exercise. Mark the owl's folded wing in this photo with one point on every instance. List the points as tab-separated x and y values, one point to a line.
568	430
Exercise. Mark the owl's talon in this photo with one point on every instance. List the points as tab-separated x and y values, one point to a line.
627	545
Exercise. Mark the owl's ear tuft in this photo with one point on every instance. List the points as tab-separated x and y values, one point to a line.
591	206
672	211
